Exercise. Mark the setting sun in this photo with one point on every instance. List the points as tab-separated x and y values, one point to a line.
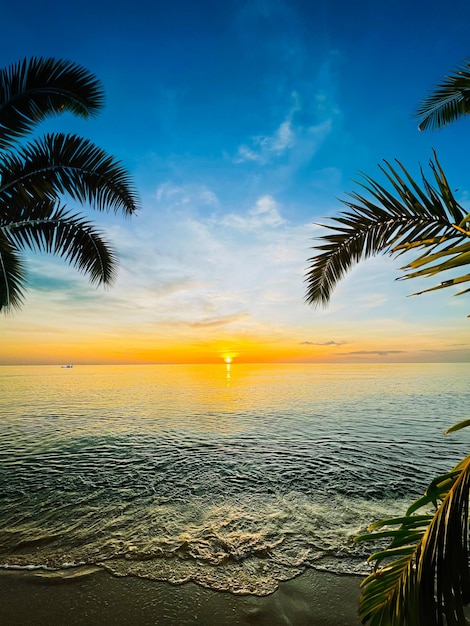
228	357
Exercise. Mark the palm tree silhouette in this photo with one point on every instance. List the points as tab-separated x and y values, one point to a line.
36	176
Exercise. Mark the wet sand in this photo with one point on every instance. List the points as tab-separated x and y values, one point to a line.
312	599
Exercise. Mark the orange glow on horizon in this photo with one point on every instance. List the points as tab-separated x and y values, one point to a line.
44	344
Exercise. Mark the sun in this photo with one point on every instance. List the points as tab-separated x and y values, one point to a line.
228	357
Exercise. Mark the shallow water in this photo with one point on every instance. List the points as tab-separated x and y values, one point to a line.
234	477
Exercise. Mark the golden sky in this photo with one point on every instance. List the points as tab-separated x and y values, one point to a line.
119	326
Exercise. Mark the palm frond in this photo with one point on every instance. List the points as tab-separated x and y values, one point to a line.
66	235
425	579
382	221
449	101
449	257
444	284
429	256
60	164
32	89
12	276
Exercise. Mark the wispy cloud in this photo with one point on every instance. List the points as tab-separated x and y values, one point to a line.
264	148
222	321
265	213
181	266
292	138
169	193
323	343
376	352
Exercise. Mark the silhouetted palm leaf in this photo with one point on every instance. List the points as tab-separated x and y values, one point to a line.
56	231
35	178
66	164
12	275
449	101
425	580
33	89
406	217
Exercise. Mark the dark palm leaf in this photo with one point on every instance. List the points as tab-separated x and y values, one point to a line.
33	89
12	276
449	101
39	175
65	164
59	232
425	580
383	221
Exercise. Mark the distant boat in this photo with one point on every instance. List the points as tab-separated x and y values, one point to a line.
67	367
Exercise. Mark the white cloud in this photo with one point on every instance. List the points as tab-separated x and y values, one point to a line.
245	154
169	190
177	195
181	267
239	270
292	139
208	197
265	213
265	147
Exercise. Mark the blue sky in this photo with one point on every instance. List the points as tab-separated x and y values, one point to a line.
242	123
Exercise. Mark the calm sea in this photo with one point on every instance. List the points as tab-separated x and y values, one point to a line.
234	477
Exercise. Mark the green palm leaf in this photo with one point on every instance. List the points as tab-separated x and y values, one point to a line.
429	256
453	257
449	101
458	426
425	580
385	221
33	89
60	164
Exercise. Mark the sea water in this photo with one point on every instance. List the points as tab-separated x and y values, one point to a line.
234	477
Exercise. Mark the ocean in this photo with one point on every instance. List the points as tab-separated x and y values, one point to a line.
235	477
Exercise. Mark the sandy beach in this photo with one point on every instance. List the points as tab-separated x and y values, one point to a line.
95	597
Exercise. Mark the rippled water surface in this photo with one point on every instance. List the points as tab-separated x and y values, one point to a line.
235	477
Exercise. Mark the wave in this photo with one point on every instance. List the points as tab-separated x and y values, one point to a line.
244	546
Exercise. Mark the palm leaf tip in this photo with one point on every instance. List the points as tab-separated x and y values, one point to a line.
449	101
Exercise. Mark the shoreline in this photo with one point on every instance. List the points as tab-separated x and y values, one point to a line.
314	598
